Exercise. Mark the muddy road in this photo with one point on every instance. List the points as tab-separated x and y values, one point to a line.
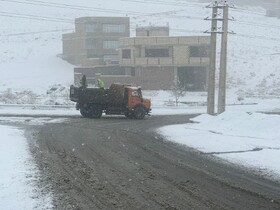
116	163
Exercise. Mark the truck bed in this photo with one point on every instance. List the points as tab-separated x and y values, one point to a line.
95	96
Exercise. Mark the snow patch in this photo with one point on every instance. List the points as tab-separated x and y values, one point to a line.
250	139
18	174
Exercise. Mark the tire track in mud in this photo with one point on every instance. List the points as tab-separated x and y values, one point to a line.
84	180
121	164
192	185
141	178
66	177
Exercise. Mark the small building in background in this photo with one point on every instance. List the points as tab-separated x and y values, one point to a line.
273	8
95	40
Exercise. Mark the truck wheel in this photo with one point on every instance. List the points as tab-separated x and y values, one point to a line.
84	112
95	112
139	112
129	115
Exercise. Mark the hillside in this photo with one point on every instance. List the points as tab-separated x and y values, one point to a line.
32	30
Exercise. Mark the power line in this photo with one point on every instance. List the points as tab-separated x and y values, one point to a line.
258	37
86	7
75	7
165	3
241	10
170	14
162	14
242	35
235	21
35	17
275	48
236	9
257	24
183	30
199	18
45	18
35	32
79	7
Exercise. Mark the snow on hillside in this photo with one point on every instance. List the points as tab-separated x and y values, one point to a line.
30	47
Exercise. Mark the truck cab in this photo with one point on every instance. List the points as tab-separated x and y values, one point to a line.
137	106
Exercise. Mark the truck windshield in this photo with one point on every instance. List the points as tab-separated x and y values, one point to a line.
139	93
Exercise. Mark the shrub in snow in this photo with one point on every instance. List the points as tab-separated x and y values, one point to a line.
24	97
240	98
240	95
7	96
177	90
57	95
27	97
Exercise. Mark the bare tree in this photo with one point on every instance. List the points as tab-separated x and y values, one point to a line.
178	90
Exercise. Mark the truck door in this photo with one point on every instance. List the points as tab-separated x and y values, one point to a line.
135	97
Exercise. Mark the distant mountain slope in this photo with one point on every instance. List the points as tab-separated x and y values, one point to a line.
31	39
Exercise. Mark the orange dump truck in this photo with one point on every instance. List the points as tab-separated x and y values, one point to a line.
119	99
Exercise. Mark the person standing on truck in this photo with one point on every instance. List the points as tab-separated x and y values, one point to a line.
100	84
83	82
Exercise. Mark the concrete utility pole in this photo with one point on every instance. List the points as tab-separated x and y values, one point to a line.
223	59
211	73
223	62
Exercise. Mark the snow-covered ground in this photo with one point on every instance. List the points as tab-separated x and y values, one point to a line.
33	73
249	139
18	174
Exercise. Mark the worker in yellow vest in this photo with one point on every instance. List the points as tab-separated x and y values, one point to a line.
100	84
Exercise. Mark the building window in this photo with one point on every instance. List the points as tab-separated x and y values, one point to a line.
156	53
91	53
132	71
200	51
110	44
126	53
110	28
111	59
113	71
91	27
90	44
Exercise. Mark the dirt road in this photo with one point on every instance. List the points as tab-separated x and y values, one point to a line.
116	163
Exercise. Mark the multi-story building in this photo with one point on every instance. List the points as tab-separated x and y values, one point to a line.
154	60
95	40
161	59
